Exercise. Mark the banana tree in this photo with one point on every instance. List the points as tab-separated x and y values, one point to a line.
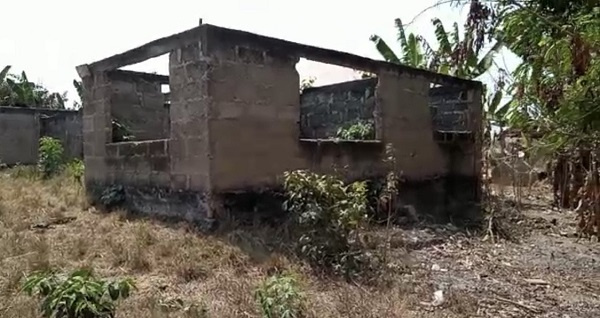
460	57
415	50
5	92
18	90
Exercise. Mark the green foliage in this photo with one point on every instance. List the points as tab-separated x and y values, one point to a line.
307	83
362	130
76	169
79	89
415	50
329	216
279	296
17	90
453	56
557	86
50	156
79	295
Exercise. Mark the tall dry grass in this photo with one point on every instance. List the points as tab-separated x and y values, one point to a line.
49	225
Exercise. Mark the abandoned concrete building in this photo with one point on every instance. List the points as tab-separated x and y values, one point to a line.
235	121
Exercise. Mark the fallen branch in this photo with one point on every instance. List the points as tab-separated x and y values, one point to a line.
532	309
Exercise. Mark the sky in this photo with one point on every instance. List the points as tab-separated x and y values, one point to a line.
48	39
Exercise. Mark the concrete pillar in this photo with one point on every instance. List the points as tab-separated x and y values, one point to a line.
406	124
190	156
97	131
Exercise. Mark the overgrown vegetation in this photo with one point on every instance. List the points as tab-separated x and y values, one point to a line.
280	296
51	156
78	295
18	90
76	169
361	130
553	92
329	216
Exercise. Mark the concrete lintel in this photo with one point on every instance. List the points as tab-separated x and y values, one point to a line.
132	75
269	44
83	71
149	50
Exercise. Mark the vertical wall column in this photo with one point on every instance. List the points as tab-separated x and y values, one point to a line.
253	122
467	161
406	124
190	157
96	126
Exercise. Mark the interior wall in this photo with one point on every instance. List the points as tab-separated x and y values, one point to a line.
139	104
325	109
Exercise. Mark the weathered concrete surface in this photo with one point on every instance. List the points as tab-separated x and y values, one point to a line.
450	109
138	103
325	109
235	122
21	128
140	163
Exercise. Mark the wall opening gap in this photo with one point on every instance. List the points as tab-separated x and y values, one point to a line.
337	103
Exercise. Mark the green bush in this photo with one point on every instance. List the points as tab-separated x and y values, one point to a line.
79	295
279	296
50	159
76	169
329	216
362	130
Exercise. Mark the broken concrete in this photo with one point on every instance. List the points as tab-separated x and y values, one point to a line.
236	123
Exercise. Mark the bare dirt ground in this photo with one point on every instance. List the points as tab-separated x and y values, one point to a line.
542	270
441	271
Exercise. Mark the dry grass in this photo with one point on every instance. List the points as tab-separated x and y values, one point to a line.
217	273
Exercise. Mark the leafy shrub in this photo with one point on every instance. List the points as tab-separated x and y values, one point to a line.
76	169
79	295
362	130
280	296
329	215
50	156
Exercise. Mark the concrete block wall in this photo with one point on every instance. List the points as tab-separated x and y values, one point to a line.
235	125
19	137
325	109
21	129
97	130
65	126
140	105
450	109
189	112
156	175
254	114
407	125
141	163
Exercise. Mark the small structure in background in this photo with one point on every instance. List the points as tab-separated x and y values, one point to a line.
22	127
235	122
